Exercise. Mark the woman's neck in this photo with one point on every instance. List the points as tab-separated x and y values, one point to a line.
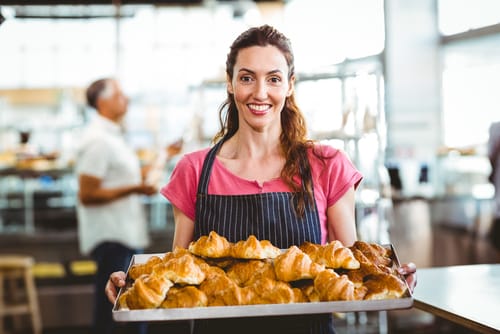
242	146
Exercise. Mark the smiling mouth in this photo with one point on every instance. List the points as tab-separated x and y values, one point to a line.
259	108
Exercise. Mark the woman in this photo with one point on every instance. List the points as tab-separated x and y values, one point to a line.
262	177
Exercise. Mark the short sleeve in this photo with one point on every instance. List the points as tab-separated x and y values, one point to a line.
93	159
336	174
182	186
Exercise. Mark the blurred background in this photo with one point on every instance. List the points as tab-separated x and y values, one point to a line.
408	88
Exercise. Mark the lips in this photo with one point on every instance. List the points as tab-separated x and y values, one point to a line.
259	109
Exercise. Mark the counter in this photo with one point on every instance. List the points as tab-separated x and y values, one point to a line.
468	295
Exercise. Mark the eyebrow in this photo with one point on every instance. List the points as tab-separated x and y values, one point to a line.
243	69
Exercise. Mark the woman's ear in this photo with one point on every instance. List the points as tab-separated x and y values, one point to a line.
229	85
291	86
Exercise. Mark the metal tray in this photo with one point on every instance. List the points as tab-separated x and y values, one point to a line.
212	312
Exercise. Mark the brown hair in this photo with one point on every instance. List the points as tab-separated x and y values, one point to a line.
293	140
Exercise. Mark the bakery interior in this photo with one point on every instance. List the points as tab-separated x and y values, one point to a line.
407	88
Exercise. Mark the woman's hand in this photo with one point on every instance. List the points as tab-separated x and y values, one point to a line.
116	281
409	272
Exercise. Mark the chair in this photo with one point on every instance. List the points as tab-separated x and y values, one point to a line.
18	299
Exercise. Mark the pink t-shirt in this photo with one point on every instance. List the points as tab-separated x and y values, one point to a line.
331	181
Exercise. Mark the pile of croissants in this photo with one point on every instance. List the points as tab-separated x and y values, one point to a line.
216	272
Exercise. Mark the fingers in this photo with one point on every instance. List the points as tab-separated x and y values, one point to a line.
411	280
409	271
110	292
116	279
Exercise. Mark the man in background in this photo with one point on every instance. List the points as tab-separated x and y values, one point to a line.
112	223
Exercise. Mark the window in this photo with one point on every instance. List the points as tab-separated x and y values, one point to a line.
471	80
456	16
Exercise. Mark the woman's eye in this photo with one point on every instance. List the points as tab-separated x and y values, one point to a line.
246	78
275	79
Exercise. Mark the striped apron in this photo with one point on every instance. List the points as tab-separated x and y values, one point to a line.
268	216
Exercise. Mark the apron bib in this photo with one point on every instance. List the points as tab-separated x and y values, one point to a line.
268	216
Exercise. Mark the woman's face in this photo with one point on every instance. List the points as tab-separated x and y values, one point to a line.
260	86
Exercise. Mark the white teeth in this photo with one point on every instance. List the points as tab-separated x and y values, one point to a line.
259	107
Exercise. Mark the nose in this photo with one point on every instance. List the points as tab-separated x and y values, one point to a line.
260	90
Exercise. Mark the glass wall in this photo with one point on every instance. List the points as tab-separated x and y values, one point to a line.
456	16
471	71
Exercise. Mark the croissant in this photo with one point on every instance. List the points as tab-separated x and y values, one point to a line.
148	291
332	255
181	270
242	273
310	293
332	287
179	252
213	245
223	262
254	249
122	300
270	291
212	272
221	290
294	265
384	286
375	253
335	255
310	249
299	296
139	269
187	296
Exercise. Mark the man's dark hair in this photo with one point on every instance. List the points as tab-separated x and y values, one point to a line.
95	90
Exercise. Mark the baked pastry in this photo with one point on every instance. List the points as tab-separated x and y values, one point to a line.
213	245
384	286
215	272
295	265
176	253
378	255
147	291
244	272
299	296
367	268
332	255
310	293
270	291
332	287
181	270
221	290
122	300
254	249
139	269
223	262
310	249
186	296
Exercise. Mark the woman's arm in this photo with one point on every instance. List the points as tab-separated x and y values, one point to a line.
342	226
341	219
184	229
